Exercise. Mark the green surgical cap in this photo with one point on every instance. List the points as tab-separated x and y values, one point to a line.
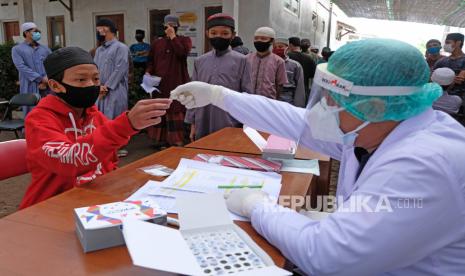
383	62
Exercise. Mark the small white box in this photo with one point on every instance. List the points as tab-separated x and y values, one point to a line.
99	226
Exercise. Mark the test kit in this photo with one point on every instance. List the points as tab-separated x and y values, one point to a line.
99	226
208	242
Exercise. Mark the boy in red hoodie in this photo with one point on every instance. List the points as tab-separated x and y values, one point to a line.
69	142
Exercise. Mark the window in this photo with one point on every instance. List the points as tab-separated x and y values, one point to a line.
56	31
293	6
315	21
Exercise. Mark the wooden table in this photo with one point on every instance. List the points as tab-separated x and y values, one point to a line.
41	238
234	140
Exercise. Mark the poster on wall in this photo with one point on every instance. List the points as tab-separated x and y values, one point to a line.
188	27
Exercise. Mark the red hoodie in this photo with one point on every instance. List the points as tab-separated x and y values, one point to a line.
64	150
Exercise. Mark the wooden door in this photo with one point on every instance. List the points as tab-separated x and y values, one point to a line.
157	18
209	11
10	29
56	31
118	19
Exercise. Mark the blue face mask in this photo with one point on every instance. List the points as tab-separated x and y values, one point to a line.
434	50
36	36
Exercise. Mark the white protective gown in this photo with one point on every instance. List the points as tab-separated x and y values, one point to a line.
423	159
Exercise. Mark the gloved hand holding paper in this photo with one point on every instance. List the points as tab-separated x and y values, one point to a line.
199	94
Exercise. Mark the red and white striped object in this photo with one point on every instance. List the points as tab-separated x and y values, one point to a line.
251	163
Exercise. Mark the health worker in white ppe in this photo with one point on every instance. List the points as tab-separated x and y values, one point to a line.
374	115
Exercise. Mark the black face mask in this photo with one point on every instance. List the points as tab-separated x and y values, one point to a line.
100	38
219	43
262	46
80	97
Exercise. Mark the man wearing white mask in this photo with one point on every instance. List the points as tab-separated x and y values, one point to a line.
28	58
374	116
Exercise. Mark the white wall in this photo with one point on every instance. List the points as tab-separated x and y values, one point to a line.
8	13
288	24
252	15
249	14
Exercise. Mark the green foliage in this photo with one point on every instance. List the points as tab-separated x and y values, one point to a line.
136	92
8	72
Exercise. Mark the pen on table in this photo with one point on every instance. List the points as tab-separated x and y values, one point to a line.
240	186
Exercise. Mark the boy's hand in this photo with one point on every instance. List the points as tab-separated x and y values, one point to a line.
148	112
170	32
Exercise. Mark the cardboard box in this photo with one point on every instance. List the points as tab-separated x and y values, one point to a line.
203	219
99	226
274	147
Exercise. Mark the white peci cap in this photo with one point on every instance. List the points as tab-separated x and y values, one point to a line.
265	31
443	76
27	26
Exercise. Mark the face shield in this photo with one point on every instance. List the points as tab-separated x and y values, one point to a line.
330	95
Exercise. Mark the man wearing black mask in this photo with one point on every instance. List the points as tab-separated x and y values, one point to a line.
221	66
69	141
140	50
168	60
268	69
305	61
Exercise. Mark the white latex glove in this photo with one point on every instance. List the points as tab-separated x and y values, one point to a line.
198	94
243	201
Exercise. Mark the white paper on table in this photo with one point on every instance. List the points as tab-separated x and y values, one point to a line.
152	190
159	247
255	137
299	166
192	175
166	198
165	203
204	177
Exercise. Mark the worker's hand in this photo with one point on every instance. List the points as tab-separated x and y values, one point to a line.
243	201
44	80
148	112
192	134
170	32
199	94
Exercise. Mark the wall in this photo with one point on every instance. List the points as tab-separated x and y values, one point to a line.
249	14
288	24
252	15
8	13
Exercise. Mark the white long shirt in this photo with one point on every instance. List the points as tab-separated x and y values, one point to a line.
423	158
